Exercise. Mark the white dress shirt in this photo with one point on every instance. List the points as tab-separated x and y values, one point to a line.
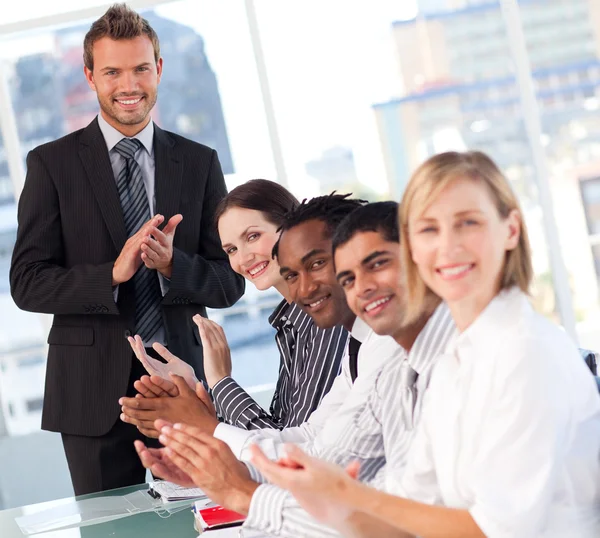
331	414
145	159
378	435
510	428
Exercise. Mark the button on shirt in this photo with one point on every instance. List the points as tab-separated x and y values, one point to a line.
310	360
145	158
375	429
511	428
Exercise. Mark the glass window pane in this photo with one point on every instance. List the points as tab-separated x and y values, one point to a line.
460	92
564	49
209	93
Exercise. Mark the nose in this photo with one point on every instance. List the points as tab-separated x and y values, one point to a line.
128	82
246	257
363	285
450	241
306	286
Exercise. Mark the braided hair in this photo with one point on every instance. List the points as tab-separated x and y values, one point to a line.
330	209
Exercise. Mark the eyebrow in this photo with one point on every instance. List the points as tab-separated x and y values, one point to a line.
225	245
374	255
367	260
303	259
342	274
145	64
459	214
311	254
467	211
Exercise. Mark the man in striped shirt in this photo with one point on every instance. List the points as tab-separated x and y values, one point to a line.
310	361
378	411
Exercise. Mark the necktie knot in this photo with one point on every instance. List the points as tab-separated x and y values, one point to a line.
127	147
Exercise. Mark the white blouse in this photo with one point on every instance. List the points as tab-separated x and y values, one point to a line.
510	428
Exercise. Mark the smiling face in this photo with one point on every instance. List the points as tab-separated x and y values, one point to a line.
368	269
307	267
248	239
459	246
125	79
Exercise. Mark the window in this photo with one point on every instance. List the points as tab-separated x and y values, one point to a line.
351	106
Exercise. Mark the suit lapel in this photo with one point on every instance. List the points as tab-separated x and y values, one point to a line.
168	174
95	159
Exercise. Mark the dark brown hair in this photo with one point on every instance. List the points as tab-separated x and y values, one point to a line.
268	197
119	22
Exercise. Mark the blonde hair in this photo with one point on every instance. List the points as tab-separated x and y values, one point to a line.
425	185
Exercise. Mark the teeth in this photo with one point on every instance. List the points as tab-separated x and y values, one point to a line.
312	305
451	271
375	304
130	101
258	268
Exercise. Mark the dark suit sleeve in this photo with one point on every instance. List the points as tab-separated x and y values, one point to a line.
206	278
39	281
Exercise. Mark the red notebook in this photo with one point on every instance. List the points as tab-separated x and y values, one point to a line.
217	517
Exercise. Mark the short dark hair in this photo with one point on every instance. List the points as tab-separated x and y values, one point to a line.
119	22
380	217
330	209
268	197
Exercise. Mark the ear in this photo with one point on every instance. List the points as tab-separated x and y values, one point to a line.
513	223
89	77
159	68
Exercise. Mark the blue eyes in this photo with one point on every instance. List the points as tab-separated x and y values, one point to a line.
139	70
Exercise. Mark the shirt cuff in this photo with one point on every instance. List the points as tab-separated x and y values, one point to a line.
255	474
230	399
236	438
266	509
164	283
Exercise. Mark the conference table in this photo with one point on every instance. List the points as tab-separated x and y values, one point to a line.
146	524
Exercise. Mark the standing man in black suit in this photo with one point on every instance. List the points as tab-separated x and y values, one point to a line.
90	251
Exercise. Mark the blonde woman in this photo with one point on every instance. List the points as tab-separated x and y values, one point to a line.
509	437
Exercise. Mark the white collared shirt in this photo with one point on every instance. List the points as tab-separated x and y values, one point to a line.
511	428
144	156
378	434
373	353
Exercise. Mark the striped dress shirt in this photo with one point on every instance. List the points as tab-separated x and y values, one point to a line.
310	360
378	436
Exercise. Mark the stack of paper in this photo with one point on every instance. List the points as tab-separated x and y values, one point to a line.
168	491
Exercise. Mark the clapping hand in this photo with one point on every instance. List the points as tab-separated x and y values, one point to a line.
157	247
210	464
217	356
192	407
324	490
155	367
160	465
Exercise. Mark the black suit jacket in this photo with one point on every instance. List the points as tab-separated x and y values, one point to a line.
71	231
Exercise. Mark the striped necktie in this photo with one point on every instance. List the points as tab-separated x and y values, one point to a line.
136	212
